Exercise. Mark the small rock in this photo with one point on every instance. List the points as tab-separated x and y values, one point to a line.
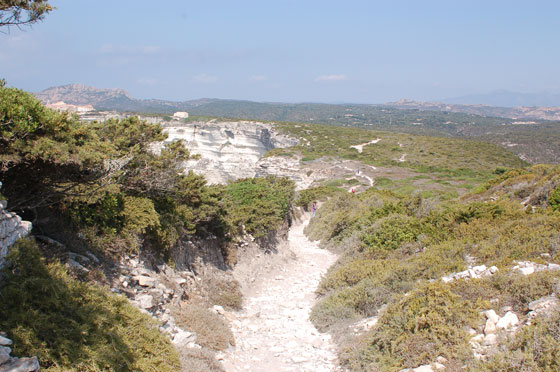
21	365
75	266
527	270
145	301
490	327
180	281
218	309
491	315
145	281
479	269
478	338
440	359
493	269
4	341
490	339
507	321
424	368
540	304
299	359
317	343
183	338
4	358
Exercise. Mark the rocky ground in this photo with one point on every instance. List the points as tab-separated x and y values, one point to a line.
273	332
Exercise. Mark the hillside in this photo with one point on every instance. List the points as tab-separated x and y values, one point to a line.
443	250
467	284
535	141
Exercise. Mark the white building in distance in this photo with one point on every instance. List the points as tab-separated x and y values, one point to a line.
180	115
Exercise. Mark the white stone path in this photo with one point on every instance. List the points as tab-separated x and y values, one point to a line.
273	332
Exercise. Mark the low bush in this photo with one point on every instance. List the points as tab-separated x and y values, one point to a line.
308	196
259	204
428	322
223	291
211	331
74	326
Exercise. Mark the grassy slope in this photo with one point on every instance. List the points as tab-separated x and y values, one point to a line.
393	246
450	156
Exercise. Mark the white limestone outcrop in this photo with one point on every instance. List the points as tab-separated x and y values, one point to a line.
11	229
228	150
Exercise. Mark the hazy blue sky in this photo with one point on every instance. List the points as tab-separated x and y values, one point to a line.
306	50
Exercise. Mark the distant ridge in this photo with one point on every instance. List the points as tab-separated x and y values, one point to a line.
120	100
516	113
504	98
113	99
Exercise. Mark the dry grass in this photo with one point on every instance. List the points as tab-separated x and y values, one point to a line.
199	360
223	290
210	329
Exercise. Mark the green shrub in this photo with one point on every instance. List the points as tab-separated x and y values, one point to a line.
389	233
259	204
73	326
428	322
554	199
308	196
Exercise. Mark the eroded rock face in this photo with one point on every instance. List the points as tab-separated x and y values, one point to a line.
11	229
228	150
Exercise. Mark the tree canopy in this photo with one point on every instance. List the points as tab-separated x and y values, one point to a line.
23	12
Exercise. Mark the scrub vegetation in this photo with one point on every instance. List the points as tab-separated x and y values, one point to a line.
395	248
104	188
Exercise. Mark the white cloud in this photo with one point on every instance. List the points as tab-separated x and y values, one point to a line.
258	78
332	77
205	79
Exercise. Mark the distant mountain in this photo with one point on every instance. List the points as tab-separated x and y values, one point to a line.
120	100
504	98
520	129
516	113
113	99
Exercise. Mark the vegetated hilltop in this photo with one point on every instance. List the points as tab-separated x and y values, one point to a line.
469	283
536	142
98	194
518	113
112	99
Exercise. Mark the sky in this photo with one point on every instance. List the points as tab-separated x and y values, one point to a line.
290	51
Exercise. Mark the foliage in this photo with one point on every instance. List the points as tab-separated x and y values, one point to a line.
23	12
446	156
415	329
306	197
394	245
73	326
259	205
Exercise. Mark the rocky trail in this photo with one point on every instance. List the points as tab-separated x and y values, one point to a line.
273	332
